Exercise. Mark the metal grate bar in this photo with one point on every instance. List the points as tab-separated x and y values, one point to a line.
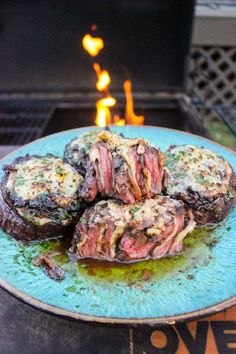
22	122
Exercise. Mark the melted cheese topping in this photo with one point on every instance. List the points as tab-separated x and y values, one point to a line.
151	210
197	168
86	140
117	141
46	175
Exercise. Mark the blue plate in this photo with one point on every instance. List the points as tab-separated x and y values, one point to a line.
200	281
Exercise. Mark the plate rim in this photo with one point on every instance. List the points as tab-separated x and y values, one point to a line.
151	321
43	306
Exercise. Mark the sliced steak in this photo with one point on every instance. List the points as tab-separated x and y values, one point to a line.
126	169
204	181
114	231
77	150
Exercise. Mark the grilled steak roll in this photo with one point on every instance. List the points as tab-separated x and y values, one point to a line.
77	151
204	181
39	197
126	169
114	231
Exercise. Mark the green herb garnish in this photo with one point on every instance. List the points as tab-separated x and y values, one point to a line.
83	266
16	259
59	170
201	180
171	161
71	289
135	209
19	181
229	193
83	220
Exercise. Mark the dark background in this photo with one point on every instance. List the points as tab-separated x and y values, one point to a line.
146	41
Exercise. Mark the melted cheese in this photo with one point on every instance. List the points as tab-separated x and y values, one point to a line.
149	210
197	168
47	175
85	140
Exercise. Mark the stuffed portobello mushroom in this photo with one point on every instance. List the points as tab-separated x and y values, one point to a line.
39	197
204	181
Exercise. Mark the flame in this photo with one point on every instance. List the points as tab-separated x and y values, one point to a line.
93	45
118	121
104	79
130	116
103	115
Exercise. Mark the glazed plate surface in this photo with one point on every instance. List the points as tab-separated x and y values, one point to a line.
200	281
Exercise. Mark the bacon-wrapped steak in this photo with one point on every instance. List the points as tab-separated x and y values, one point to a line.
114	231
204	181
126	169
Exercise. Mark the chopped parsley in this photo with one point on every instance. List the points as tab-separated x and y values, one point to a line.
135	209
229	193
201	180
63	215
59	170
83	220
78	204
171	161
181	175
19	181
16	259
83	266
41	175
71	289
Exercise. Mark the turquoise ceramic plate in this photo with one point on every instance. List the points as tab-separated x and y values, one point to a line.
200	281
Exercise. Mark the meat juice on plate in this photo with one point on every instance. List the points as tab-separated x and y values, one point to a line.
196	251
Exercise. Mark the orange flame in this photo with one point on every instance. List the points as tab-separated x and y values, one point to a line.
118	121
103	115
104	79
131	117
93	45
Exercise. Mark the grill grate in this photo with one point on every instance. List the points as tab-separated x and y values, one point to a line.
22	123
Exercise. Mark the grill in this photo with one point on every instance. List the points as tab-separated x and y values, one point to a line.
21	123
47	82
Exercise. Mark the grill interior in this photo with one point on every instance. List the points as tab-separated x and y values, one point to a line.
20	124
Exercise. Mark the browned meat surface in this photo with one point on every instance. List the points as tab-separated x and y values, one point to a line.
23	230
48	266
126	169
114	231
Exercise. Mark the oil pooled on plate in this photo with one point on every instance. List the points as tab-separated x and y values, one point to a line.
196	250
